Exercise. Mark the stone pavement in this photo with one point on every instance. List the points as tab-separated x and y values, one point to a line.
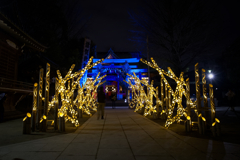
122	135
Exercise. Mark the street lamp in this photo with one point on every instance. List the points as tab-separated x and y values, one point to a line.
210	75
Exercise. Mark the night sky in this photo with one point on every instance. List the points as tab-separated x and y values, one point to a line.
110	24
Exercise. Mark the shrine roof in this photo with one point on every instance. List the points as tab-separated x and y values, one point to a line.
118	55
9	27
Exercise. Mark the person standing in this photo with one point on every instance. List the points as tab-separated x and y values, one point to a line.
2	107
109	94
101	102
231	99
114	98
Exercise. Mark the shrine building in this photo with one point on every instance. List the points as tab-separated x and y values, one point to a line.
116	66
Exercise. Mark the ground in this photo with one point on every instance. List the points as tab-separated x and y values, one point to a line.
230	126
122	134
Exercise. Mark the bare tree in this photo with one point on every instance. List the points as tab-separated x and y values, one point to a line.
76	22
180	31
229	60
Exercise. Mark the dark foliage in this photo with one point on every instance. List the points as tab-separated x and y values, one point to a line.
231	59
181	32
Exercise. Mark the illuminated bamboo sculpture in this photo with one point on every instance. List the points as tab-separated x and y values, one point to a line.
39	100
141	100
34	109
198	97
157	103
183	89
66	112
56	104
214	120
205	101
46	99
79	98
163	106
166	99
188	121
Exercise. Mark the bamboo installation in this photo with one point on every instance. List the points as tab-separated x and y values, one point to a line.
172	98
66	111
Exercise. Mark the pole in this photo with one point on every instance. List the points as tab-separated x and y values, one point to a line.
39	100
166	99
34	109
56	105
198	96
212	109
188	124
205	98
157	102
47	87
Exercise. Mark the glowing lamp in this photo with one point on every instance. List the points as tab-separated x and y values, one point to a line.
217	120
210	76
28	115
24	118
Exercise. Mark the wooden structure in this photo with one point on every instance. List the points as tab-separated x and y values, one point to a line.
13	43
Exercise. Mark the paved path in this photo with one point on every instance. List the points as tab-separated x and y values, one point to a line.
122	135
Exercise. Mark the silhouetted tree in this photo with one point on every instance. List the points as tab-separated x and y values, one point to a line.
180	31
230	61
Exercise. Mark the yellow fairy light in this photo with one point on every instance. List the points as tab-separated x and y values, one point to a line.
28	115
217	120
175	96
24	118
203	119
67	93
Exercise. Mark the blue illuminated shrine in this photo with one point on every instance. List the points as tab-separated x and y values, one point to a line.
116	69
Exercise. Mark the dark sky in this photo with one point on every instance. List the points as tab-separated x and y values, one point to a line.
110	23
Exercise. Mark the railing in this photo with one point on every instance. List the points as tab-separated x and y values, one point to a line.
15	85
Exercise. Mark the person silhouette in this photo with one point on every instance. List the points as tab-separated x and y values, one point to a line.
101	102
113	98
231	99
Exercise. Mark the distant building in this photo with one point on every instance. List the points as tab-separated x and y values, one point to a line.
116	66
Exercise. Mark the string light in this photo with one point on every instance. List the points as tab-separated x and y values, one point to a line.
172	98
84	101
